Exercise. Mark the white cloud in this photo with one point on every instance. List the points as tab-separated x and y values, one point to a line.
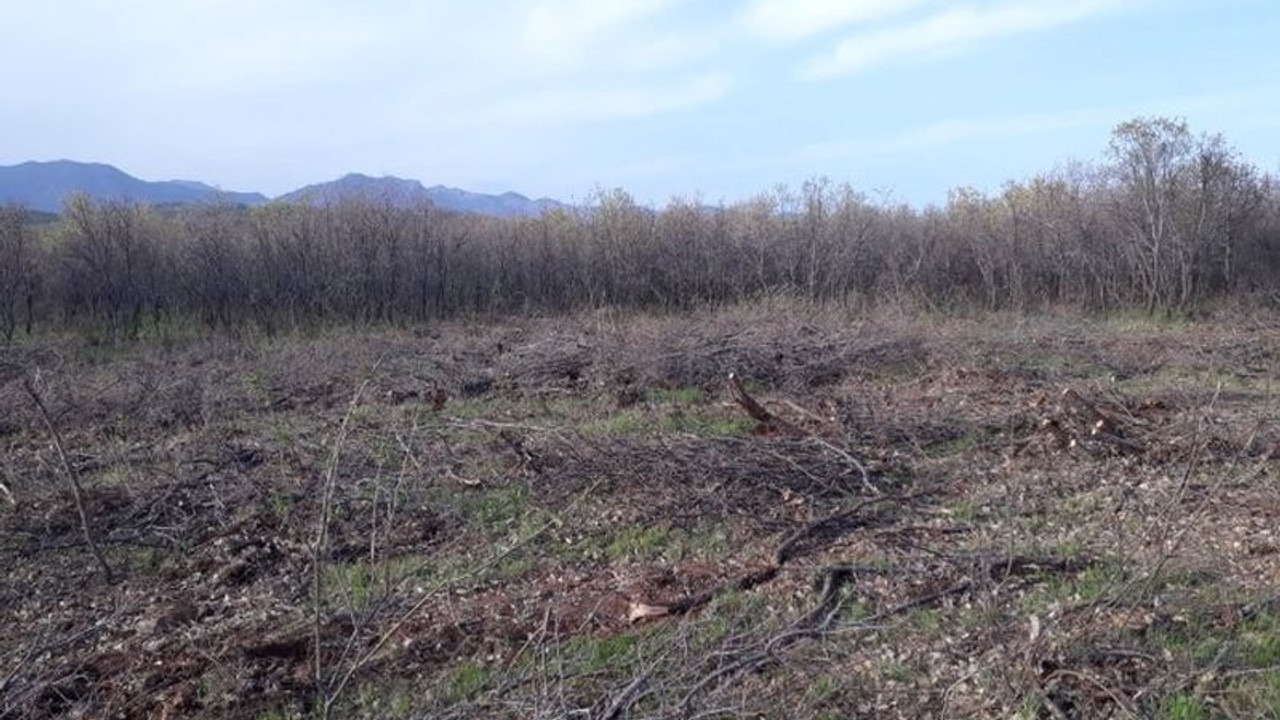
659	166
951	30
668	50
953	131
790	20
589	105
565	33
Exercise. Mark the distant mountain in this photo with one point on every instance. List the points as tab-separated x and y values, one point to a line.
408	192
44	185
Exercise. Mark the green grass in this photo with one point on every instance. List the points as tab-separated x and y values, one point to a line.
1260	641
465	681
600	654
1240	661
1138	319
144	561
1205	380
383	701
680	396
968	510
637	543
627	423
257	382
1184	706
646	544
114	476
495	511
1092	584
895	671
359	583
708	425
512	409
643	422
925	620
821	688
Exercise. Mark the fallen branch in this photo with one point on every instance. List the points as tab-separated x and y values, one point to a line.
786	550
68	474
1100	434
769	423
743	582
808	626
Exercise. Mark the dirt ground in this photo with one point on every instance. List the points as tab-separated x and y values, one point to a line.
915	517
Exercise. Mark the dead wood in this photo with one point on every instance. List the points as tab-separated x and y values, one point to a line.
1096	417
814	624
817	621
769	423
743	582
838	523
1128	446
68	474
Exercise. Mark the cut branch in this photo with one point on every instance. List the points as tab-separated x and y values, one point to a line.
67	472
769	423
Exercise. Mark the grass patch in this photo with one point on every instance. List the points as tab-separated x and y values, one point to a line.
383	701
646	544
626	423
595	655
708	425
680	396
465	681
1184	706
495	511
822	688
358	584
644	422
637	543
1093	584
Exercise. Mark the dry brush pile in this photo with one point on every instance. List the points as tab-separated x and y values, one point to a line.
771	510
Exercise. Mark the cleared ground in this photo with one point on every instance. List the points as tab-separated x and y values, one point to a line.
988	517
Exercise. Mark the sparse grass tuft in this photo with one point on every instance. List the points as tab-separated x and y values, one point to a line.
1184	706
680	396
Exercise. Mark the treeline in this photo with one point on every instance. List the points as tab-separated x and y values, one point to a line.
1169	221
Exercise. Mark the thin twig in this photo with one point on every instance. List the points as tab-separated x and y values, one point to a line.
413	610
322	538
77	493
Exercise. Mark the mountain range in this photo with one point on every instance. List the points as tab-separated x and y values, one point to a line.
42	186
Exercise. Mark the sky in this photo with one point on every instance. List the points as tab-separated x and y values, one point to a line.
713	100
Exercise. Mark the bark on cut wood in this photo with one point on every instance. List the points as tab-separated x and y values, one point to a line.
768	422
640	611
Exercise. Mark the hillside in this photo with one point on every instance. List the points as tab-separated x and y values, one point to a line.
404	193
43	186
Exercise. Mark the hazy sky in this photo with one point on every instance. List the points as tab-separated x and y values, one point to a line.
716	98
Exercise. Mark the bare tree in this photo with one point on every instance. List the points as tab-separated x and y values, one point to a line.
1170	220
18	278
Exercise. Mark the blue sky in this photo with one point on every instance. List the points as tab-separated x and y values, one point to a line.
716	99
